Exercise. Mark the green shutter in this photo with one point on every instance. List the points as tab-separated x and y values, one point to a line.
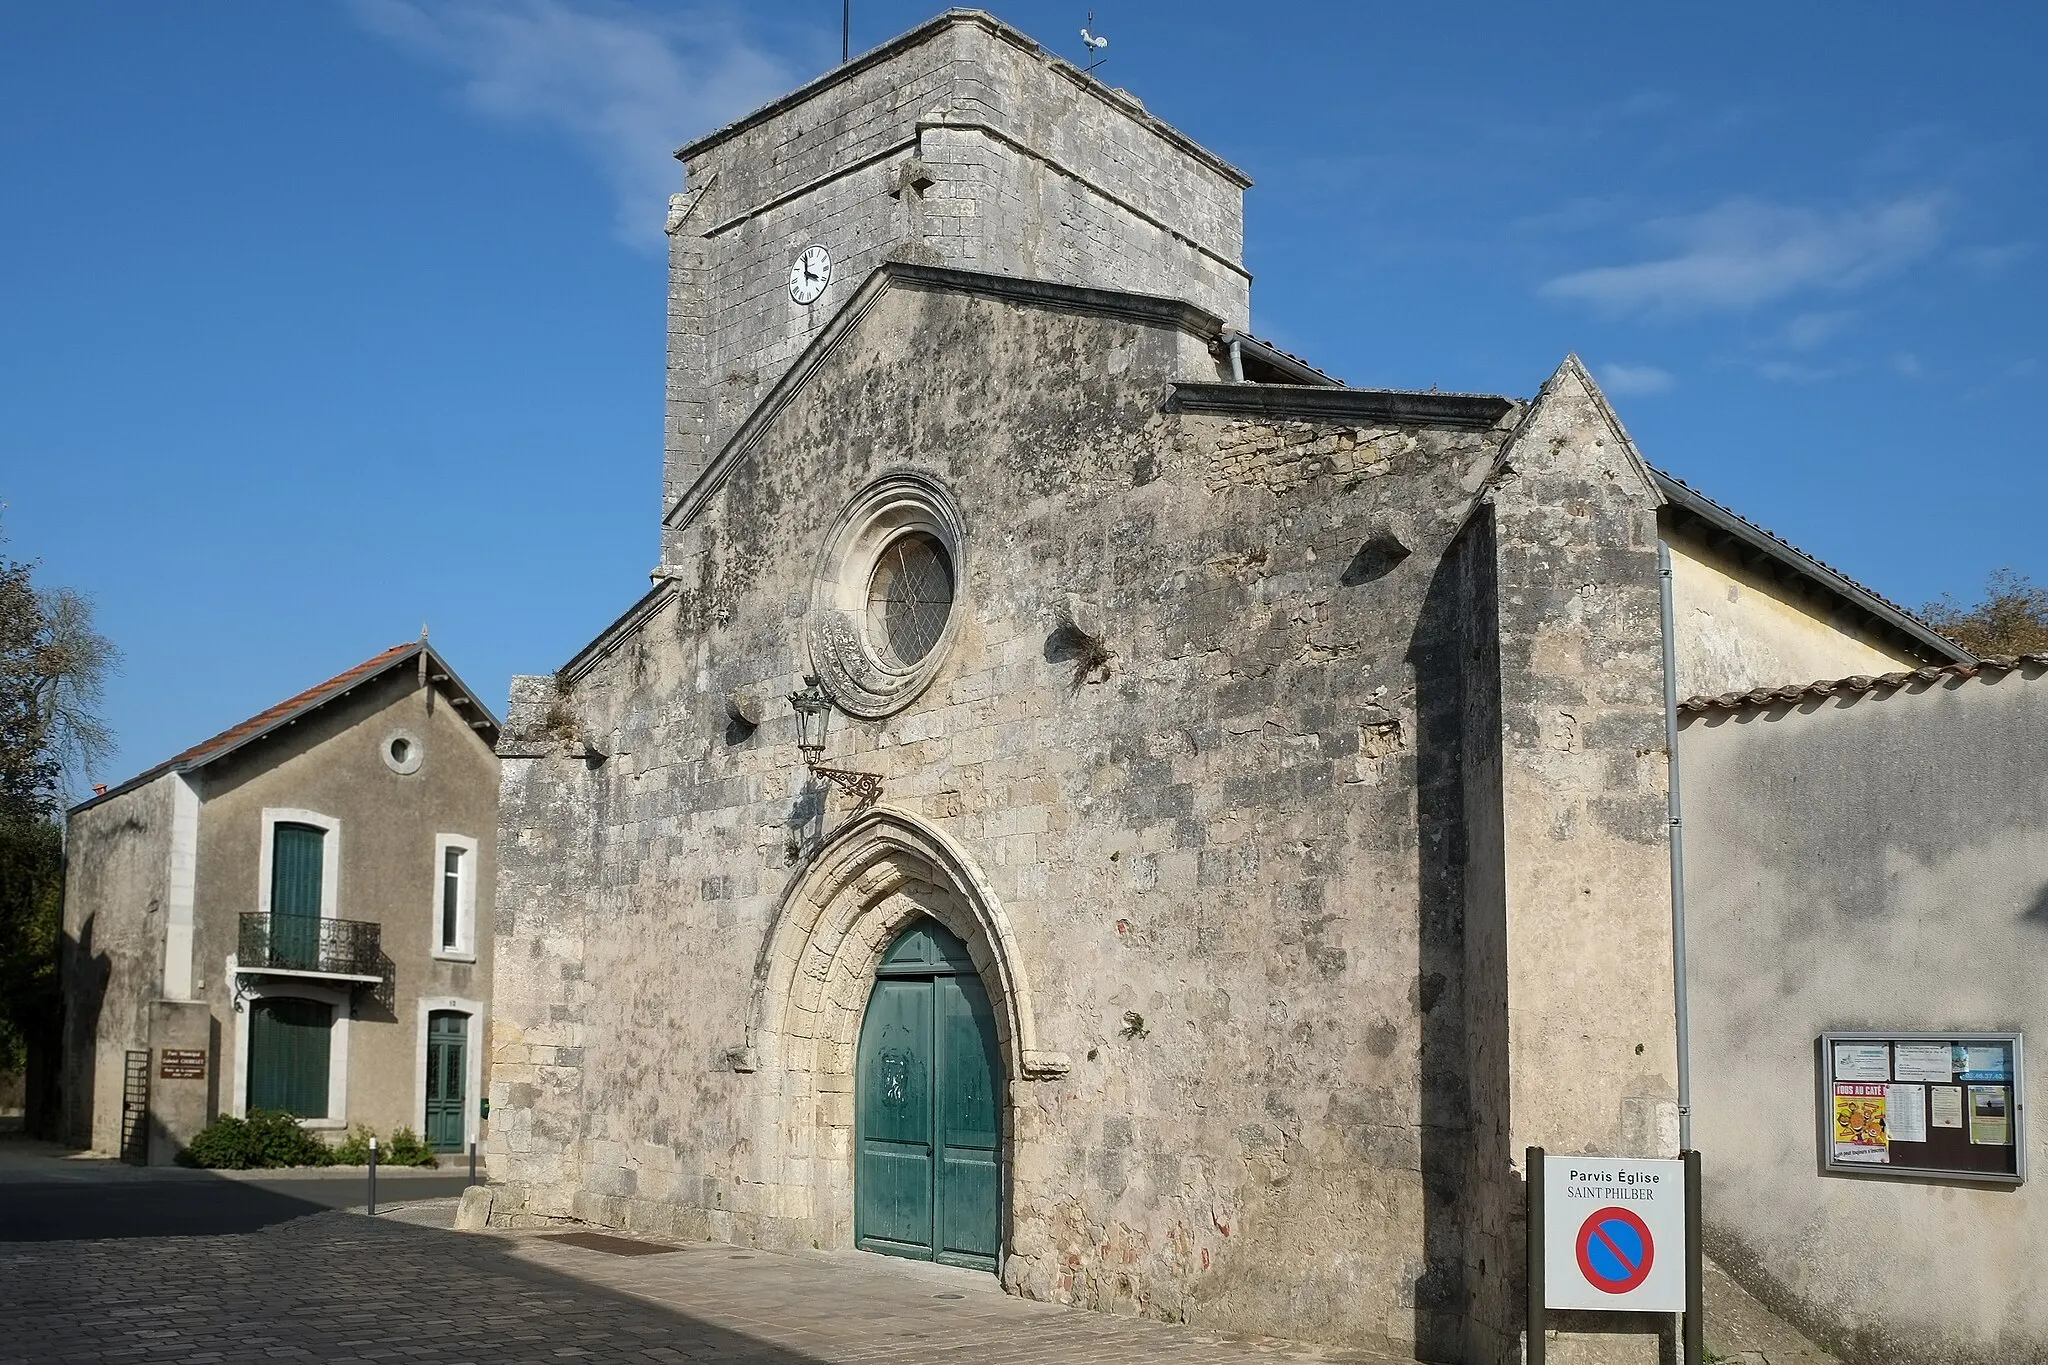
295	871
288	1056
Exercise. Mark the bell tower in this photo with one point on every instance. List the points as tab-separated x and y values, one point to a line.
961	143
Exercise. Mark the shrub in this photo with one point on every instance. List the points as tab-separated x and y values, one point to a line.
222	1145
402	1148
262	1139
355	1149
280	1141
406	1149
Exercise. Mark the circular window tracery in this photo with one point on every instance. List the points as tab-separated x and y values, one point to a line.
910	598
883	608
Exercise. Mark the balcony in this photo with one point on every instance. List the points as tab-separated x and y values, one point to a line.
343	950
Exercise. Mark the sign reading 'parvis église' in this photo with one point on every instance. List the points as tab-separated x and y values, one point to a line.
1614	1233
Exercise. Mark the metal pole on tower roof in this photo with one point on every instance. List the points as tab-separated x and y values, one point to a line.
845	31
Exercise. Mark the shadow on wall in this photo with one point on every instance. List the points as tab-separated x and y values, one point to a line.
83	975
1450	692
2036	914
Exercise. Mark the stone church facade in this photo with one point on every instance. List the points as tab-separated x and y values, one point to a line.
1284	762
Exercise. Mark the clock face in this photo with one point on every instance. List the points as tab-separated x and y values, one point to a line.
809	275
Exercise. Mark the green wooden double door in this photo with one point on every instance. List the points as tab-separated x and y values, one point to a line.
928	1108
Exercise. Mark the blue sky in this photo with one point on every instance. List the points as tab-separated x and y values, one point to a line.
321	320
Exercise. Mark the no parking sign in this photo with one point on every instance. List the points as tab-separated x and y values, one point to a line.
1614	1234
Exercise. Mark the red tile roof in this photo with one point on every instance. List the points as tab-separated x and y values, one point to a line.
292	707
1988	669
289	707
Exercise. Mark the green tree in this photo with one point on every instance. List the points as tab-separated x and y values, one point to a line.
2012	618
53	665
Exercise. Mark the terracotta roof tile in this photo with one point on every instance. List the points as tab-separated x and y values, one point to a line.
1989	669
299	704
284	710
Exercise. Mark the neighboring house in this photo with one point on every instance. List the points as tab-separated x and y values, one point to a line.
1872	854
1245	829
294	915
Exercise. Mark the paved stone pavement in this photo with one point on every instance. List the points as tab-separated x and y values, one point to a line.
341	1288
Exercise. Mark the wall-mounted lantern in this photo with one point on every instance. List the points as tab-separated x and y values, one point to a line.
813	711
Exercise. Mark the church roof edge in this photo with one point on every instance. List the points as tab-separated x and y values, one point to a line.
1477	411
903	42
1153	309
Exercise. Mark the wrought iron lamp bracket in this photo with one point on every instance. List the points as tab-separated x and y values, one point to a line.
864	787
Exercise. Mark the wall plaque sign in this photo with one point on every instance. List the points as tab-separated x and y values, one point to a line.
181	1064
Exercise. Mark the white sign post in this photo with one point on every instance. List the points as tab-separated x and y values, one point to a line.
1614	1234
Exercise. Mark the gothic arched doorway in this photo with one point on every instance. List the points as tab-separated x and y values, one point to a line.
928	1107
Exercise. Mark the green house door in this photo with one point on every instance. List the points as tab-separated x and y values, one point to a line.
928	1180
288	1056
447	1066
295	857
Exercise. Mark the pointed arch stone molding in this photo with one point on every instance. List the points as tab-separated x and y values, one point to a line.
879	872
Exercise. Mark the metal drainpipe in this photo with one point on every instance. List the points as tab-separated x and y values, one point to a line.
1236	361
1677	817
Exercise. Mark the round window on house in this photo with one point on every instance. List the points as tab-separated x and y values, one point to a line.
402	752
910	596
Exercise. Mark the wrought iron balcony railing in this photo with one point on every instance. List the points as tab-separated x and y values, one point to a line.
303	943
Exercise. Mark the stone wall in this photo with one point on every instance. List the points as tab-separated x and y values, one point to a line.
1583	949
1868	861
961	143
1201	859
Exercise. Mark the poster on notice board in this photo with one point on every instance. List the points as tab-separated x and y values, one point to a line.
1931	1105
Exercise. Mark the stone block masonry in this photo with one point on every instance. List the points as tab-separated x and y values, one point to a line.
962	143
1221	841
1288	761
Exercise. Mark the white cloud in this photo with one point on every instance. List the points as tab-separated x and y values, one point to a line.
1799	372
1744	253
1635	379
1809	330
626	87
1995	260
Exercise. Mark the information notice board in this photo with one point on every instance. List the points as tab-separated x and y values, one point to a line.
1923	1104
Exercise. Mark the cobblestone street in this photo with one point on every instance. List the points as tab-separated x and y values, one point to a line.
339	1288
